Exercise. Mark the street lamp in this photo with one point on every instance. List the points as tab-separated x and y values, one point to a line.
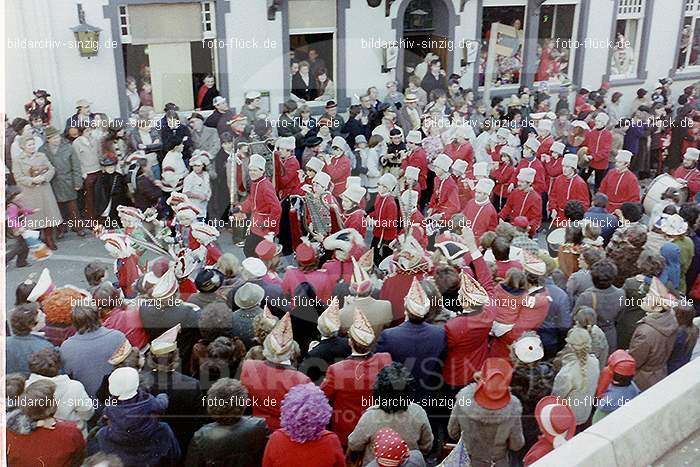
87	37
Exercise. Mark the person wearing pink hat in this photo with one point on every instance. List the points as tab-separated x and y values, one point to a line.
487	416
557	423
615	384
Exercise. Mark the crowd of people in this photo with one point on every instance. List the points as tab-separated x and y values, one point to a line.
429	279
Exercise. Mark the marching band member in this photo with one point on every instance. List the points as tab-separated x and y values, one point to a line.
459	174
621	185
502	174
524	201
544	137
689	173
262	204
384	217
598	141
338	165
313	167
353	215
346	245
416	157
288	183
530	161
552	163
412	218
460	147
357	181
444	202
569	186
480	213
320	191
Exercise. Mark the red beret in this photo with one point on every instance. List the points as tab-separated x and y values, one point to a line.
305	254
266	250
521	221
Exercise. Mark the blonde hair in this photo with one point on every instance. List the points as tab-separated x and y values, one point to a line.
229	265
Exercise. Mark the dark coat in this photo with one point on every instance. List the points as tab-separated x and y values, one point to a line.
421	348
239	445
208	99
627	321
110	187
326	353
135	435
170	138
147	193
530	383
430	82
158	320
353	128
302	90
185	413
603	219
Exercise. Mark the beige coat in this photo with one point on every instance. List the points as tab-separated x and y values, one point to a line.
378	313
36	190
651	346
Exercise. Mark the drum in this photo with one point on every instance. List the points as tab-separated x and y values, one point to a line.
554	240
657	188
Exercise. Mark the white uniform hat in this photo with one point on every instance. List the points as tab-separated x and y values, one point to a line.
623	155
252	95
388	180
323	179
257	162
443	161
602	119
558	147
414	136
692	154
570	160
339	142
481	169
412	172
354	193
527	175
580	124
532	143
353	181
485	185
545	125
508	151
315	164
286	142
459	167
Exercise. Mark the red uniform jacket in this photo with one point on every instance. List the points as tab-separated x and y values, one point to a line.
287	178
445	198
267	384
339	170
502	176
213	250
552	170
348	386
467	346
481	217
566	189
465	193
539	184
356	220
394	289
525	204
127	319
599	143
692	176
620	187
463	151
386	215
495	153
530	311
264	206
337	270
128	272
545	146
319	279
502	268
418	158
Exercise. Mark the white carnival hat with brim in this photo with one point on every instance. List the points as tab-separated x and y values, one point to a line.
414	136
674	225
623	155
353	180
248	295
388	180
558	147
692	154
532	143
545	125
481	169
412	172
503	133
485	185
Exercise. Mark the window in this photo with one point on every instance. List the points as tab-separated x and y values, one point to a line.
689	53
124	24
627	39
502	40
554	51
208	25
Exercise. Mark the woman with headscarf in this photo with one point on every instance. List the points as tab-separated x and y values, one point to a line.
653	340
671	275
303	440
650	265
578	378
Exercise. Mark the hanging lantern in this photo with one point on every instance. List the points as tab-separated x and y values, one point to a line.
87	37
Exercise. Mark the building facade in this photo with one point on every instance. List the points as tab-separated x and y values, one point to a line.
494	45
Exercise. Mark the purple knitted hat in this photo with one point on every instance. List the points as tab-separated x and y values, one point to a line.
305	412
